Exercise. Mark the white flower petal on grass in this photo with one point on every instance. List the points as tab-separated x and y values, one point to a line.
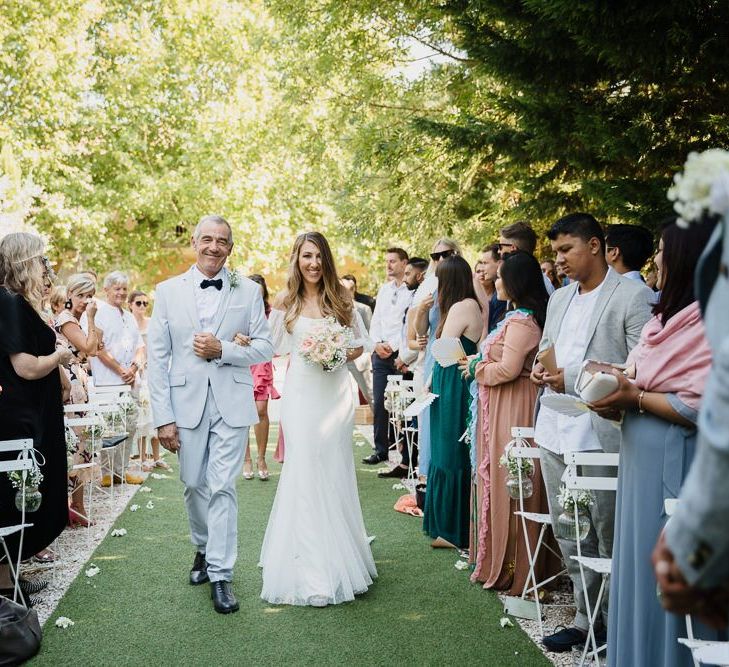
399	487
145	489
158	475
461	565
133	508
92	571
64	622
119	532
505	622
150	505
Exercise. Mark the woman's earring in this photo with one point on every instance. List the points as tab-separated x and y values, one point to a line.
68	304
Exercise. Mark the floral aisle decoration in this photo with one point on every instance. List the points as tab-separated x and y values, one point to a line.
571	500
702	188
520	470
26	483
326	345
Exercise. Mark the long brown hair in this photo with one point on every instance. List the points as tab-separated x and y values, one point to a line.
334	300
455	283
21	267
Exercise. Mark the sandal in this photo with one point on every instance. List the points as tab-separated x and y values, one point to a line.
45	556
262	474
247	472
159	463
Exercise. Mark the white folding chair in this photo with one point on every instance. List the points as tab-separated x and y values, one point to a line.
702	652
23	464
575	481
520	607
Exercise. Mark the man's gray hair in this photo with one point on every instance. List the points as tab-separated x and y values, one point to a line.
116	278
218	220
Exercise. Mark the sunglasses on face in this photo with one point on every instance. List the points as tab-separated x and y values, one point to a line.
141	303
436	256
506	245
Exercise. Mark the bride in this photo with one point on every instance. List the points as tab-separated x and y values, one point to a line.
315	551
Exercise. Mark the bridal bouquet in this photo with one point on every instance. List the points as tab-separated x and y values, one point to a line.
326	345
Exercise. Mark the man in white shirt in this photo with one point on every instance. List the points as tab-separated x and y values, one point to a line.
598	316
393	299
628	248
118	361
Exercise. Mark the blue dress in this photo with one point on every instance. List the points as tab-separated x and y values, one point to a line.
655	456
424	416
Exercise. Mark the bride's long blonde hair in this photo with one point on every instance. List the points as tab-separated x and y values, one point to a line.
21	266
334	300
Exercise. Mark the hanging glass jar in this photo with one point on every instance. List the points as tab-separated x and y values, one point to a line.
33	498
567	530
517	489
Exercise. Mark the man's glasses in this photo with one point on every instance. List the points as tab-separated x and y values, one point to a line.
436	256
506	245
141	303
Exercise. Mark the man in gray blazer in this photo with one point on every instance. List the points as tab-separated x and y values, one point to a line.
201	392
598	316
691	558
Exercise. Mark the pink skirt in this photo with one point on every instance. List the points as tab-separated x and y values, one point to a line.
263	388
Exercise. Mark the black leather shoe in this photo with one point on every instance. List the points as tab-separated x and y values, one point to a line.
564	639
398	472
372	460
199	572
224	600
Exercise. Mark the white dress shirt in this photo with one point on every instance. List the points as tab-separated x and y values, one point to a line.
386	325
548	285
554	431
121	339
208	299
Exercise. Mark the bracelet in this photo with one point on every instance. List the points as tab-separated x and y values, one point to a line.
640	401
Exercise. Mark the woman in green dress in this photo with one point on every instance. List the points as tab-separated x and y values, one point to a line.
447	500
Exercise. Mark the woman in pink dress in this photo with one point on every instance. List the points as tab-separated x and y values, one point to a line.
263	390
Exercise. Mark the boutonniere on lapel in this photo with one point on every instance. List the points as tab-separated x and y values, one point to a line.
234	278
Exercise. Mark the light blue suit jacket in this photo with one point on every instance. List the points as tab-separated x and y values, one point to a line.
178	379
698	533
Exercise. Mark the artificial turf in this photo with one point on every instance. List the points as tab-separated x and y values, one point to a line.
140	610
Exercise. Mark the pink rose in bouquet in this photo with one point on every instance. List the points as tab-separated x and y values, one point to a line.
326	345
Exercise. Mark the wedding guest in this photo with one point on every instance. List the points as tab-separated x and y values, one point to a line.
670	365
263	390
392	300
628	248
599	317
521	236
57	299
361	368
490	259
80	291
422	332
506	398
31	400
364	299
118	362
447	500
548	270
146	433
407	362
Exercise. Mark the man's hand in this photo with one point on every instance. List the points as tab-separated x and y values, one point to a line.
537	374
556	381
169	437
401	366
383	350
207	346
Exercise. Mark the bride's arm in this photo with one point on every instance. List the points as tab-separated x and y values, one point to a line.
361	339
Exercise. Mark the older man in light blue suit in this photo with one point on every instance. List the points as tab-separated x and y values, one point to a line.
201	392
692	555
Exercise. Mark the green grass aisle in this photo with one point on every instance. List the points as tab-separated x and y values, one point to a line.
139	609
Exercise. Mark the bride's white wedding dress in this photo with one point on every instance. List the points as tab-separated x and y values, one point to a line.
316	550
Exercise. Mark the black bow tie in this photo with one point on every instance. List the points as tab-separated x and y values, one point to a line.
217	284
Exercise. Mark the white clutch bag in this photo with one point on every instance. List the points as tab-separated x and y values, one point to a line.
594	385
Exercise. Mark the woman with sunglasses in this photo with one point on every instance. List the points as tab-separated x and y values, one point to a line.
138	305
31	402
423	319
